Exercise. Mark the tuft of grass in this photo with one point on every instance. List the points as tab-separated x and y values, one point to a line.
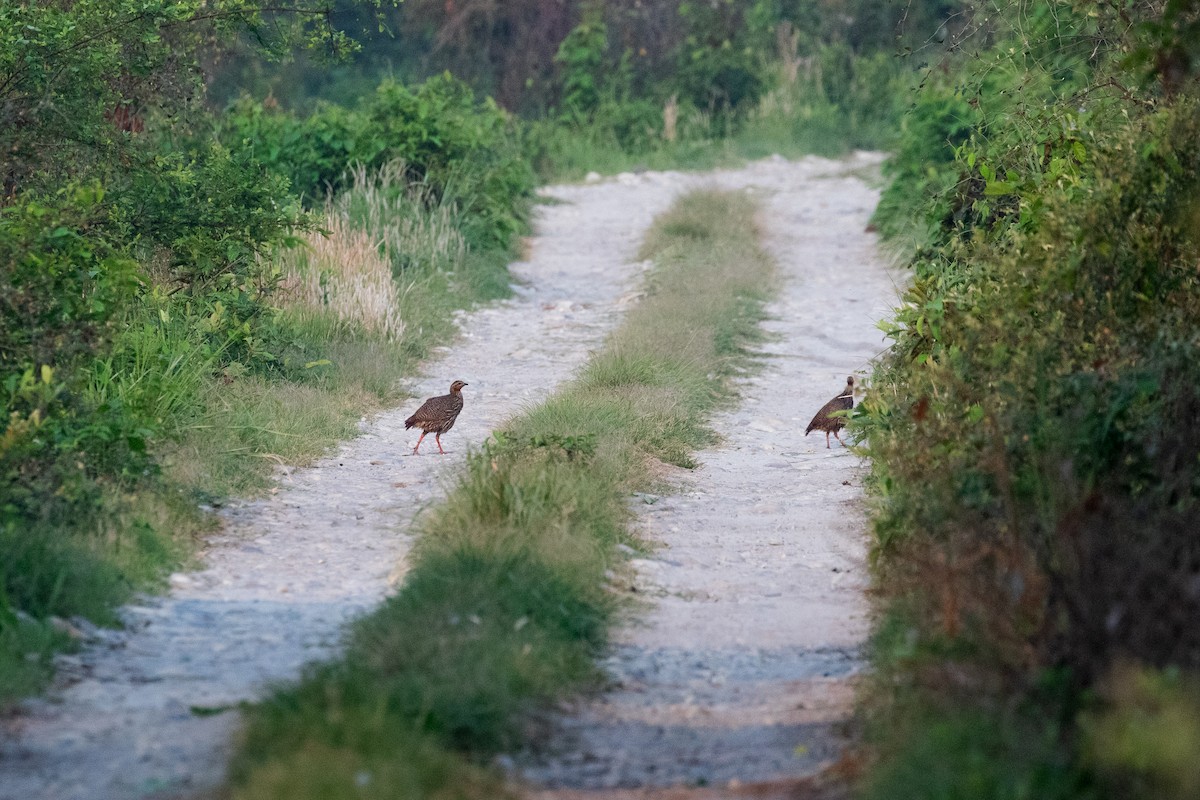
505	606
343	275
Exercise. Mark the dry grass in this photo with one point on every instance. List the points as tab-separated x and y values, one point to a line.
344	274
417	231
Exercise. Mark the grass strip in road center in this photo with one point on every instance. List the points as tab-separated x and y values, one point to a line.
505	605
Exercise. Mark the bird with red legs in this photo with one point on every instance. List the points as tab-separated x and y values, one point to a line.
825	420
437	415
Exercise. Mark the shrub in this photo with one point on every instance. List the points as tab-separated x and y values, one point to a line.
448	141
62	282
1033	427
209	224
62	288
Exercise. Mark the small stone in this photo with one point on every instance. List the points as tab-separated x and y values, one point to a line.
178	580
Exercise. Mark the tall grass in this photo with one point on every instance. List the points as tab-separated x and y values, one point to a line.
505	606
342	275
418	230
839	102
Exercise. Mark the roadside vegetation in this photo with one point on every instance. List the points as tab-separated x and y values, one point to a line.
183	301
506	603
1034	426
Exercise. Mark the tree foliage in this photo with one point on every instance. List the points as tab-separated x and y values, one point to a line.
78	77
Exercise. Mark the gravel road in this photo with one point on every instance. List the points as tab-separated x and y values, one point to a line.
741	670
145	710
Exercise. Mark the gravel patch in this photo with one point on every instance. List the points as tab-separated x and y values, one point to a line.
742	667
151	709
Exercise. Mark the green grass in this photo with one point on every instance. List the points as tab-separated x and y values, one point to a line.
505	605
220	431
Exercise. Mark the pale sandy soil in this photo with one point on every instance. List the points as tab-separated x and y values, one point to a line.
765	529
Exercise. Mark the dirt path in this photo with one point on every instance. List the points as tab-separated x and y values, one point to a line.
741	671
291	569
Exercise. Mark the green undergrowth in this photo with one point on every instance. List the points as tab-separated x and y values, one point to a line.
199	423
1034	427
505	606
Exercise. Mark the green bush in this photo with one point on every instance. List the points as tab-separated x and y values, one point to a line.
448	140
209	224
62	289
62	281
1034	426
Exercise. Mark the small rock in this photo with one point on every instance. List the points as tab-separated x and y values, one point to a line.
178	580
592	177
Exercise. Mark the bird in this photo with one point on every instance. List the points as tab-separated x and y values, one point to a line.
436	415
824	419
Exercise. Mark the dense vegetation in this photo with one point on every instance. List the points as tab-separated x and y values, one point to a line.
609	85
1033	428
173	318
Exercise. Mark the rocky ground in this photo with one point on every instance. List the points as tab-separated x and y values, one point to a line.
744	657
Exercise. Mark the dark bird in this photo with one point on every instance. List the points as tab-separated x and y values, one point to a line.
436	415
825	421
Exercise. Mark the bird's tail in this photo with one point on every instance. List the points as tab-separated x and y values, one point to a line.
408	423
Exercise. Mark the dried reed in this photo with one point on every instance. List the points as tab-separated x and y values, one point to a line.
386	228
344	274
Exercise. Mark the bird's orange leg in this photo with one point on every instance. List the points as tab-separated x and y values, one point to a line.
418	447
437	437
827	447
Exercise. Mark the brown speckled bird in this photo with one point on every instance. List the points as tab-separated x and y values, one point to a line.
823	421
436	415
